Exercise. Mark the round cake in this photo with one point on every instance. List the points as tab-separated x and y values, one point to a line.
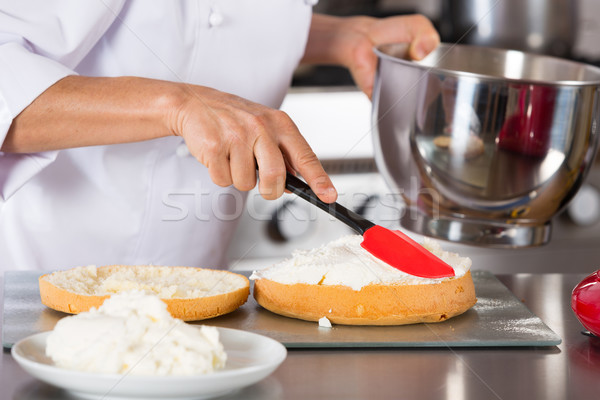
344	283
190	293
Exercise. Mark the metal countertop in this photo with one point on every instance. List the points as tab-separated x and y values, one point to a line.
568	371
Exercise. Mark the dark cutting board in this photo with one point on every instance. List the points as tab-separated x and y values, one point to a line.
498	319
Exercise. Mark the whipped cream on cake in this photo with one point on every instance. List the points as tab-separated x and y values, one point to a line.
133	333
345	262
160	280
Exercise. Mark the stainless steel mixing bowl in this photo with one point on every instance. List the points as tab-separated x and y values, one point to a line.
484	145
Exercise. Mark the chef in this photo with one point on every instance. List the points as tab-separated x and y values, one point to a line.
130	130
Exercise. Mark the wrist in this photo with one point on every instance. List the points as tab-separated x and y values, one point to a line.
172	102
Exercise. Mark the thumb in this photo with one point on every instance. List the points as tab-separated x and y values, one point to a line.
422	46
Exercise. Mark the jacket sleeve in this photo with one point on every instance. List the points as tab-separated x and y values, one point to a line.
41	42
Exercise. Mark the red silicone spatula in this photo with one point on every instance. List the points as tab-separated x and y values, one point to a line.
392	247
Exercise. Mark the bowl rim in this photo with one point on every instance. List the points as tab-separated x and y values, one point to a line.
465	74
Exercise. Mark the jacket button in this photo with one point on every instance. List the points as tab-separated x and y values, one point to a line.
215	18
182	151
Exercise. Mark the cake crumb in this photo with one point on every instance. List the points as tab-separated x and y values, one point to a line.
324	323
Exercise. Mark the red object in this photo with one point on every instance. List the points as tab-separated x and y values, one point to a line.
403	253
392	247
585	302
527	131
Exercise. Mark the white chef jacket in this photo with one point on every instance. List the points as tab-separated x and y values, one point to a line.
136	203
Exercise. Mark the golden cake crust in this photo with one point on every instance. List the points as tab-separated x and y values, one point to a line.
376	304
187	309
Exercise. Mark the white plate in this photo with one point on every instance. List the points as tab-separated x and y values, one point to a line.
250	358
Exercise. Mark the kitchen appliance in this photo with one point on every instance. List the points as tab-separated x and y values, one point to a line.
536	26
485	145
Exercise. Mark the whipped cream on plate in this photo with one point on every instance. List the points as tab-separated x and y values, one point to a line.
133	333
345	262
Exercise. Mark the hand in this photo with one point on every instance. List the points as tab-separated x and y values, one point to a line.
415	29
349	42
227	134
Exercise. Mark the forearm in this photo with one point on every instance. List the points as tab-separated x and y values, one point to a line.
84	111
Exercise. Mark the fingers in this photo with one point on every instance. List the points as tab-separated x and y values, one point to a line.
423	45
313	173
302	159
363	69
289	151
241	162
414	29
215	158
232	160
271	168
422	36
219	172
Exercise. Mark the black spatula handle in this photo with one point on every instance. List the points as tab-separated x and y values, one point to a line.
350	218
